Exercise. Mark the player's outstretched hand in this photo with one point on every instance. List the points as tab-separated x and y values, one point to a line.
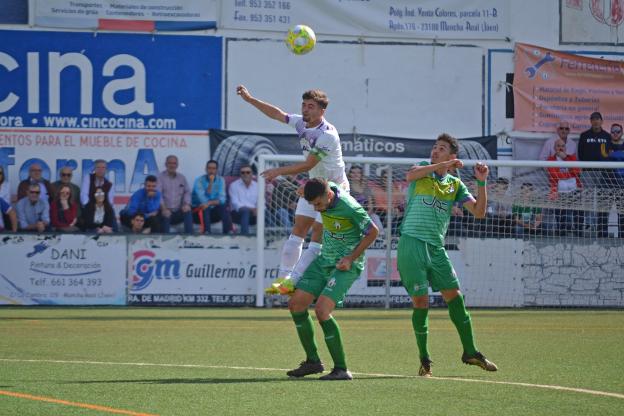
455	164
270	174
243	92
344	263
481	171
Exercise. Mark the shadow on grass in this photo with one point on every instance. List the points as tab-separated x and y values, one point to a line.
215	380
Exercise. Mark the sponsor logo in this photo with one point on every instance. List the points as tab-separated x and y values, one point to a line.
146	267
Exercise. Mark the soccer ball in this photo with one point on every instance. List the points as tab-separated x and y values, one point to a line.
300	39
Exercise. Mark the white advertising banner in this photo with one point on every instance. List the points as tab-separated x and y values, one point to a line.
103	13
440	19
195	270
62	270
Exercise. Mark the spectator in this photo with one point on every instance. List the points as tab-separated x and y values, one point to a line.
382	205
563	131
592	147
244	199
5	191
615	150
498	216
33	213
66	174
564	186
9	212
145	201
527	218
284	201
362	193
97	179
175	206
64	211
137	224
209	198
35	177
98	216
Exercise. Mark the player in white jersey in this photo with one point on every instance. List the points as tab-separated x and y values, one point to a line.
320	144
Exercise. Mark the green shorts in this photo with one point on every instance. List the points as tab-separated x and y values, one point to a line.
322	278
421	264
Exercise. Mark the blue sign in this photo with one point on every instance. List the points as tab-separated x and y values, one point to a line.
75	80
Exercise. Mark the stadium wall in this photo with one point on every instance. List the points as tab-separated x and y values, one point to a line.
200	270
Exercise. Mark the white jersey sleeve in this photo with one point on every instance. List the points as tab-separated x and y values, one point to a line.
323	142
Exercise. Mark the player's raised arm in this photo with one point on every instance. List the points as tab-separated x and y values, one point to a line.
267	109
478	207
420	171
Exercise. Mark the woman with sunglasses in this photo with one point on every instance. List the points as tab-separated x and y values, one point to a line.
98	216
64	211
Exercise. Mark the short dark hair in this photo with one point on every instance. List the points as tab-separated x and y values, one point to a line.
318	96
502	181
452	142
212	161
151	178
314	188
137	214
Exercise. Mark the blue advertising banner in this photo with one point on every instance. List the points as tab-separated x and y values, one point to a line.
72	80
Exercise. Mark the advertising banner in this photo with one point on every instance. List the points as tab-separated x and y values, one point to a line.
232	149
591	22
71	98
63	270
550	86
430	19
140	15
195	270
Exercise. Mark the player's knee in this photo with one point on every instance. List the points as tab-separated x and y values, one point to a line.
296	304
449	294
323	311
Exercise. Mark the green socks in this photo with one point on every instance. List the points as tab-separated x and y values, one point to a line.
333	339
461	319
420	322
305	330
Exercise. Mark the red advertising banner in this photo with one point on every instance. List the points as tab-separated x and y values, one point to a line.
551	85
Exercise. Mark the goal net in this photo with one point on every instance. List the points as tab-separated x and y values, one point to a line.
552	236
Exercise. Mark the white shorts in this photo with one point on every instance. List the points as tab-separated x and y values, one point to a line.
307	210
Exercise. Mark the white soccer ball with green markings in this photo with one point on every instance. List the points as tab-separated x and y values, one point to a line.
300	39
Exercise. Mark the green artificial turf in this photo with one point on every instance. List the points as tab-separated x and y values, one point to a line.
196	361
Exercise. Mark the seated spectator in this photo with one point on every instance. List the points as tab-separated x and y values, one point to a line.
615	150
33	213
209	199
562	133
66	174
5	191
137	224
527	218
175	206
145	201
383	206
35	177
64	211
361	192
284	199
244	199
9	212
97	179
98	216
564	186
498	217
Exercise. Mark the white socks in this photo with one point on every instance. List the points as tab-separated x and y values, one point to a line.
313	250
290	255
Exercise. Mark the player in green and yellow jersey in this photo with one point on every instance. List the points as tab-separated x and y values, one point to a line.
422	260
347	232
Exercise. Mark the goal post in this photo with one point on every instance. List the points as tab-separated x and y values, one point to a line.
531	249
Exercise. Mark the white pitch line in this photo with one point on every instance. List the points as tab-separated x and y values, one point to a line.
469	380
